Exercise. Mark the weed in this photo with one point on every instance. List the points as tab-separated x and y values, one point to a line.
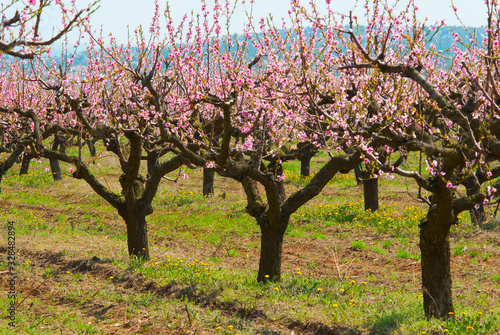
403	254
359	245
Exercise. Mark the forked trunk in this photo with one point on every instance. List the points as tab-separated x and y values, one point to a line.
137	235
435	262
208	182
271	249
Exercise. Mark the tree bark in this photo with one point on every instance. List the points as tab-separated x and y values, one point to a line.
271	249
137	234
358	174
208	182
477	215
55	167
435	251
25	165
370	193
370	190
91	146
305	165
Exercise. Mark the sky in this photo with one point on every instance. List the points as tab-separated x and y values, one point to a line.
115	15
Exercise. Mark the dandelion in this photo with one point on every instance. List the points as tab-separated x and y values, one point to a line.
111	277
230	327
266	276
319	289
469	328
352	282
277	288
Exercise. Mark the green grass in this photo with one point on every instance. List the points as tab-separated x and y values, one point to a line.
206	251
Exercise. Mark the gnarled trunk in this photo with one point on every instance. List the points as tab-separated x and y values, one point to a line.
208	182
435	251
271	248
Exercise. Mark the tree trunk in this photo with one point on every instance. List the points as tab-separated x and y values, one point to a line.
91	146
370	190
271	243
358	174
137	234
305	164
56	169
54	163
208	182
435	262
25	165
370	193
477	215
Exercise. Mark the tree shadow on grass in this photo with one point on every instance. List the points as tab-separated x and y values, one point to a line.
386	324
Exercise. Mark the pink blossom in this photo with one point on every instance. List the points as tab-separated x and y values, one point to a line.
280	177
450	185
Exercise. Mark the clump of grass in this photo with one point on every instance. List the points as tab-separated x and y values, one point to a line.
458	251
475	323
495	277
474	253
378	250
359	245
403	254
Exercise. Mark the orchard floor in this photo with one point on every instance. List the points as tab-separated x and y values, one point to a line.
345	271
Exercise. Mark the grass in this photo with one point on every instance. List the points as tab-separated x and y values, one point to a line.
343	268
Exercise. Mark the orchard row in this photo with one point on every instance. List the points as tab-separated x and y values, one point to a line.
188	94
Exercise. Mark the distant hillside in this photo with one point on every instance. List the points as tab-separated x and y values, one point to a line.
443	41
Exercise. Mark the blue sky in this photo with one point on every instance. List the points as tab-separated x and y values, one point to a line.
115	15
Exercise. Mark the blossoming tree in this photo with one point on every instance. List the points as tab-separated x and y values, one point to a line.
448	113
